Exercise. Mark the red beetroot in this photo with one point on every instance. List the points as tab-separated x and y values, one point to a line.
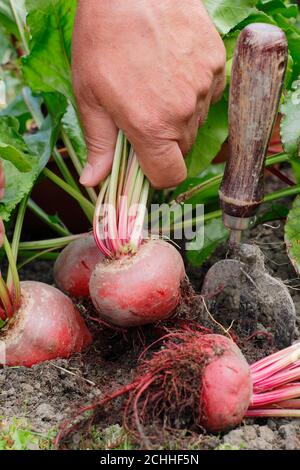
226	384
140	288
73	267
203	381
195	381
46	326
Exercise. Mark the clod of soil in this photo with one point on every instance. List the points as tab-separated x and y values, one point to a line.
242	292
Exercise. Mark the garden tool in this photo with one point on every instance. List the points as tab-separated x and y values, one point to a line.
239	289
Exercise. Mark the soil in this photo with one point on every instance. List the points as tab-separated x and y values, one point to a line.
49	393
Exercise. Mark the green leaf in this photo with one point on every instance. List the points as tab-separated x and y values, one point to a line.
16	108
7	20
214	234
209	140
290	128
256	17
42	142
72	128
272	7
292	234
56	105
47	67
18	183
13	155
293	36
295	164
230	43
12	146
20	108
205	196
17	186
6	50
226	14
272	212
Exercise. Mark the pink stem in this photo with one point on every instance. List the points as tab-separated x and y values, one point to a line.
123	212
279	379
287	392
288	356
272	413
266	361
2	314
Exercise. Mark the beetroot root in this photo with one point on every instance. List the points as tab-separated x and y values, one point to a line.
141	288
226	385
196	380
46	326
74	266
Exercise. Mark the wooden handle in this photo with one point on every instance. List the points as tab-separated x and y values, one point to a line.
258	71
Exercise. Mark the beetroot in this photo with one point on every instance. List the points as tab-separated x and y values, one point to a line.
140	288
226	384
73	267
202	381
197	381
139	282
46	326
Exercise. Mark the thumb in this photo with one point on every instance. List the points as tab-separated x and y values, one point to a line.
162	163
100	135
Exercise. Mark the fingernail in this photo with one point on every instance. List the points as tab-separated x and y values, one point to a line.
86	174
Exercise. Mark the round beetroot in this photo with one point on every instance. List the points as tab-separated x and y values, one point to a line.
195	381
46	326
140	288
73	267
226	385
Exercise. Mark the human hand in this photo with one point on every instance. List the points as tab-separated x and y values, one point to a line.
151	69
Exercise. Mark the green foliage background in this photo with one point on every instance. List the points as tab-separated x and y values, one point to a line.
43	30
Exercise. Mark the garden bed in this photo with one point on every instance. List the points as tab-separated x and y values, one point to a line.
47	394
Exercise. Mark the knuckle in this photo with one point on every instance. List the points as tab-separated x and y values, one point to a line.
205	84
218	62
171	173
142	123
166	183
185	108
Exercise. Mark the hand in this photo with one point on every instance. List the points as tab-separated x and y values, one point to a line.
148	67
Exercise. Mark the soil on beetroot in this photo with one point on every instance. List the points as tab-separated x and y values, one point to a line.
49	393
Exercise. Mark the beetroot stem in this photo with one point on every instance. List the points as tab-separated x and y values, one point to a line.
288	356
6	299
121	205
273	413
13	281
287	392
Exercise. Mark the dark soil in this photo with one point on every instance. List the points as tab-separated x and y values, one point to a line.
49	393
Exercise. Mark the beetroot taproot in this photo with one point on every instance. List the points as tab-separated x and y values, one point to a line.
139	288
74	266
196	381
199	380
46	326
226	388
